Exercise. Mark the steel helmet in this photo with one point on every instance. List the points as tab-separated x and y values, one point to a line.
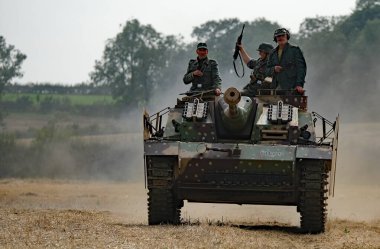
281	31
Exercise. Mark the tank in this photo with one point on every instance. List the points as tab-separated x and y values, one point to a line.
262	150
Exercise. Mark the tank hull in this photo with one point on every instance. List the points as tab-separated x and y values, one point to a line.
229	172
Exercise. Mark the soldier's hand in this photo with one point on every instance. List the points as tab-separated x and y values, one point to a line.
198	73
277	69
240	46
217	91
300	89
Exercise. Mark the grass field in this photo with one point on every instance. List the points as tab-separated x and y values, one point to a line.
75	99
21	122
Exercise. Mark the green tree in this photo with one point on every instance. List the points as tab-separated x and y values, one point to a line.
10	67
134	61
365	11
361	4
318	24
10	63
220	37
342	58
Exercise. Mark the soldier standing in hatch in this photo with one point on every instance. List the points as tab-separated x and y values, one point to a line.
203	72
287	63
259	67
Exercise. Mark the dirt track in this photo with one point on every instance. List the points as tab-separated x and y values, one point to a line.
47	213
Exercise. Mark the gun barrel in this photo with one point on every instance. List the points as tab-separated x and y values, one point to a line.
232	97
240	37
235	114
242	30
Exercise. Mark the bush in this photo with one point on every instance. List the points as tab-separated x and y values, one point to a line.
54	153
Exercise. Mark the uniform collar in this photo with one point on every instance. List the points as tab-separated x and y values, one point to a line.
286	47
266	58
204	60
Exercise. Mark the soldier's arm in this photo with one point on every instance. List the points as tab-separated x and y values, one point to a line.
300	67
251	63
245	56
215	75
188	77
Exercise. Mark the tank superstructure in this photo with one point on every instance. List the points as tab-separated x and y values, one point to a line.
236	149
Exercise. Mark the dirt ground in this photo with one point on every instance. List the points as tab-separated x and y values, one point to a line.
95	214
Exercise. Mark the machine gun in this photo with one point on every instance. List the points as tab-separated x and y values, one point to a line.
237	54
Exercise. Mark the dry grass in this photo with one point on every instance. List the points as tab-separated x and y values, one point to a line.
72	214
85	229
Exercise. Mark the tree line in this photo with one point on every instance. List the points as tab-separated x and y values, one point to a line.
50	88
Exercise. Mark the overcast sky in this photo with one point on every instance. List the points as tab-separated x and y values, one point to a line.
63	38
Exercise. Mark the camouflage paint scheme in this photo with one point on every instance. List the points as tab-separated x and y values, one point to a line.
208	176
214	161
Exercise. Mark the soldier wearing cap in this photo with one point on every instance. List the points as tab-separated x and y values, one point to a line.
287	63
203	72
259	66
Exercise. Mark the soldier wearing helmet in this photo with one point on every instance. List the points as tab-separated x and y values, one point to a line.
203	72
259	66
287	63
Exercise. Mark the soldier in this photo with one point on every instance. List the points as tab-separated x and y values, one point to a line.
287	63
259	66
203	72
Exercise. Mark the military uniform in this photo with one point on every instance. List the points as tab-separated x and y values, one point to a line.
208	81
293	65
257	77
259	72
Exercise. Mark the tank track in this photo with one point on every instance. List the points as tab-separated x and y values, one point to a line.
163	208
313	197
163	205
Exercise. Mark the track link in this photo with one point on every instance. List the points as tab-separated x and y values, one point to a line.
312	201
163	208
163	205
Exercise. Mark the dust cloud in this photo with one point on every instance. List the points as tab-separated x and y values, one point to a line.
112	154
115	182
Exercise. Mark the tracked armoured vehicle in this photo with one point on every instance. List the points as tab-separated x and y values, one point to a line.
233	149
